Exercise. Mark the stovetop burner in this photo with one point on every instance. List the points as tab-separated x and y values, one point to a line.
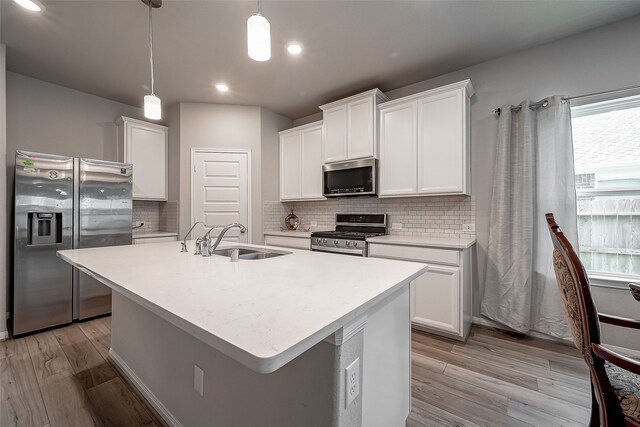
350	234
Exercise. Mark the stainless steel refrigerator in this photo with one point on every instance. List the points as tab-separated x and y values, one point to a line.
64	203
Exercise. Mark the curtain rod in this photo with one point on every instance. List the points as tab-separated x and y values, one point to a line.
516	108
544	102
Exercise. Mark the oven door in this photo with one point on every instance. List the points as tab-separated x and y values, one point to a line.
352	178
339	250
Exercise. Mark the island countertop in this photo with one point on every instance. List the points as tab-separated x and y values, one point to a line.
262	313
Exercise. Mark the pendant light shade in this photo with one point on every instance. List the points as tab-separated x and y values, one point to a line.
259	38
152	104
152	107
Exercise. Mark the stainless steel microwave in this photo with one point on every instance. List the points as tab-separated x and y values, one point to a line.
350	178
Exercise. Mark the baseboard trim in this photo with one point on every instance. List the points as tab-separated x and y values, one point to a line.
4	335
483	321
144	390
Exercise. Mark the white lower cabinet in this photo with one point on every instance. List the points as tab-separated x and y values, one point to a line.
435	299
441	297
301	242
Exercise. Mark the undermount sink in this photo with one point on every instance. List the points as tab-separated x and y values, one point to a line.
247	253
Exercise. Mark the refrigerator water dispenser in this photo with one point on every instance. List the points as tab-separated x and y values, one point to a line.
45	228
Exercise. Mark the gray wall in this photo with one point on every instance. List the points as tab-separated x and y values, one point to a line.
602	59
223	127
4	242
54	119
231	127
173	117
308	119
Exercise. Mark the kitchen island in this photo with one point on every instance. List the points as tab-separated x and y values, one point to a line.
259	342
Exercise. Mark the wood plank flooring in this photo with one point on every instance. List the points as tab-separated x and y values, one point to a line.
497	379
62	377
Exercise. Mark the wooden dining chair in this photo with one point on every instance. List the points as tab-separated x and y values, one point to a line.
635	290
615	377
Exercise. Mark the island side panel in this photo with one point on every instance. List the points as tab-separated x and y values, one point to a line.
162	358
386	376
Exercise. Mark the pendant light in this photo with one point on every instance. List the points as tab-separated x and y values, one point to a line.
152	104
259	37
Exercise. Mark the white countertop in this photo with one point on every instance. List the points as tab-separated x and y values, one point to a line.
299	234
262	313
153	235
435	242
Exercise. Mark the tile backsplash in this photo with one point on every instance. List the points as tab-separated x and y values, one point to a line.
436	216
169	216
157	216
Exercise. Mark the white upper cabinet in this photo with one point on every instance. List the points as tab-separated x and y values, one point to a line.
335	132
145	145
398	149
301	163
443	143
360	128
424	143
311	177
350	127
290	166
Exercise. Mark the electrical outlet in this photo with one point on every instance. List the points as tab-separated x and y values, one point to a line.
314	223
468	227
396	226
352	381
198	379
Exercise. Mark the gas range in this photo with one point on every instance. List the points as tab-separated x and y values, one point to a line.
350	234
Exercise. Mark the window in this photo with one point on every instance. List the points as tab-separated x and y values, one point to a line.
606	140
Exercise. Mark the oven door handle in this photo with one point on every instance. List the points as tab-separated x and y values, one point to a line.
338	250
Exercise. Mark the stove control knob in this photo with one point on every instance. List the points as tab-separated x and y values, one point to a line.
335	242
355	244
324	241
348	243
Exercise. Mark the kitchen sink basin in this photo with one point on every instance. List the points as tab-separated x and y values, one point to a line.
248	253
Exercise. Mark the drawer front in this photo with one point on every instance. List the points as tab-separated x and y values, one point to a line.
288	242
143	240
415	253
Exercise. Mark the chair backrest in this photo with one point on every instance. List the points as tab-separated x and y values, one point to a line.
583	318
574	288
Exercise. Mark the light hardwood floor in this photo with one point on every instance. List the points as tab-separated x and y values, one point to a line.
496	379
62	377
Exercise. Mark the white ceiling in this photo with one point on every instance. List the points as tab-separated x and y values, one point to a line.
100	47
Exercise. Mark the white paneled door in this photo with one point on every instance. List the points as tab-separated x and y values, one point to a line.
220	191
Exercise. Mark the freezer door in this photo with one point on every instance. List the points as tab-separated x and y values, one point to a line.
43	224
104	216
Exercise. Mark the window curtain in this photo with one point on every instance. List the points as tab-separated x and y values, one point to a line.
534	174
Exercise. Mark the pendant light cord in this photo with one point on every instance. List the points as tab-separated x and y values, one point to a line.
151	45
258	7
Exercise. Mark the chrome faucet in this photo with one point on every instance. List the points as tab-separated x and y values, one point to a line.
184	241
204	242
212	247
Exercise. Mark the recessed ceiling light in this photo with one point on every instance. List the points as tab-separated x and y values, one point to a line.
294	48
31	5
222	87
